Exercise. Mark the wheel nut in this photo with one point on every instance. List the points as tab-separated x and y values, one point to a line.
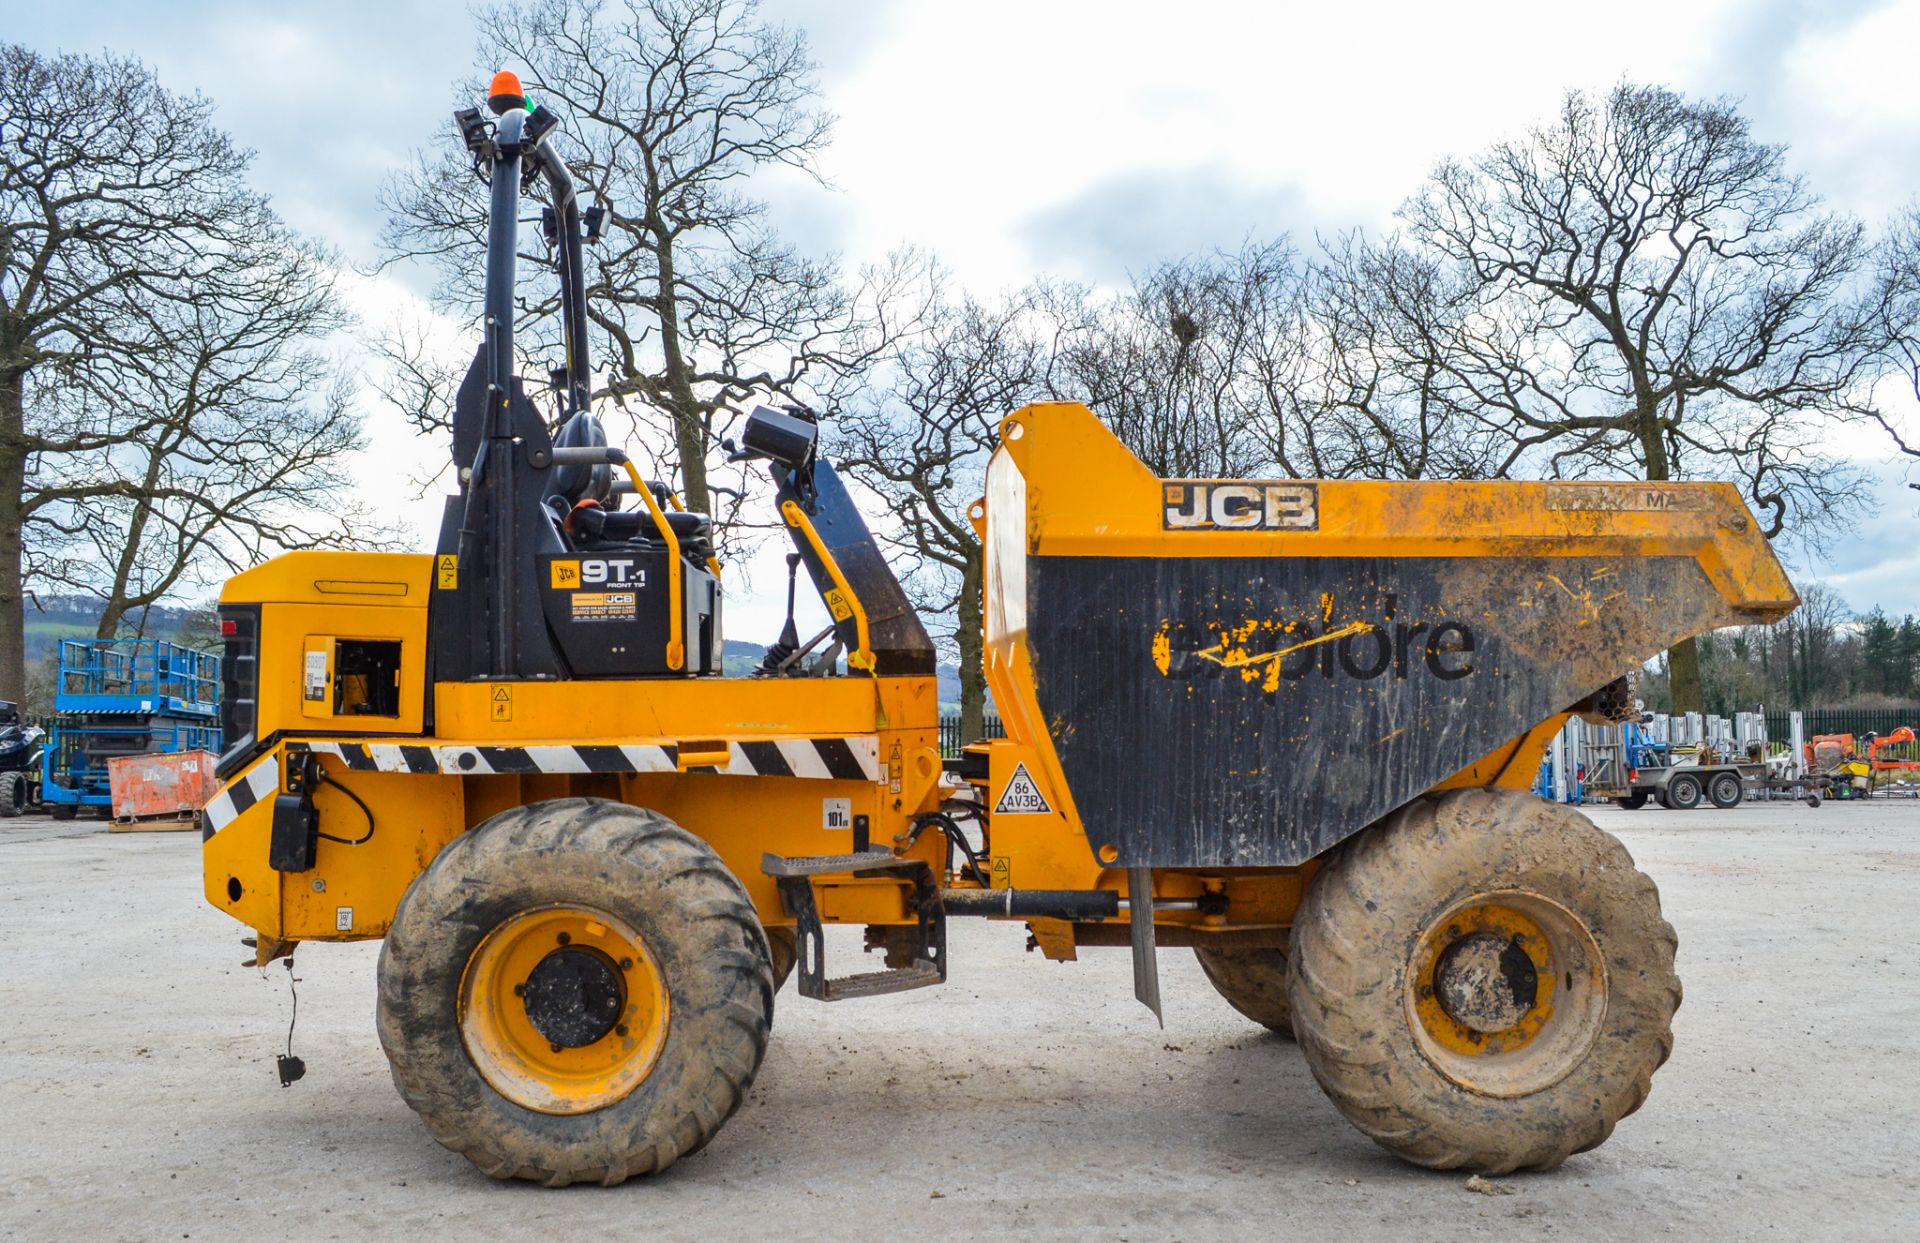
626	964
620	1029
565	939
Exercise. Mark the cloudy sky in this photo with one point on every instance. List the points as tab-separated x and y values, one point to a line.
1019	137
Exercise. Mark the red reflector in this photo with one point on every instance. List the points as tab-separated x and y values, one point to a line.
229	627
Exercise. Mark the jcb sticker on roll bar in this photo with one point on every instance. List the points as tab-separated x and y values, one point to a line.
1238	505
571	573
1021	796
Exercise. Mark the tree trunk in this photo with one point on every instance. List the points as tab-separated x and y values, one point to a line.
1683	670
972	643
689	428
1683	659
13	482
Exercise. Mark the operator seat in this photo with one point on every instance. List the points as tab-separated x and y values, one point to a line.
582	501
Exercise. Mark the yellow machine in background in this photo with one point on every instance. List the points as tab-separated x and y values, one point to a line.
1285	723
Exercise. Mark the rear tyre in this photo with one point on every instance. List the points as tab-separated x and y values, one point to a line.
13	793
1726	790
1483	981
782	947
576	990
63	811
1683	792
1634	801
1254	982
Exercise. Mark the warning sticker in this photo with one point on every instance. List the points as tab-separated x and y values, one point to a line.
446	572
1022	796
837	605
1002	872
316	675
602	606
502	704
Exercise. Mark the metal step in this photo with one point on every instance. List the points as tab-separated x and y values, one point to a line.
857	863
874	983
795	877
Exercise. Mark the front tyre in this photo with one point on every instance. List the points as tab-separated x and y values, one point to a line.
1483	981
576	990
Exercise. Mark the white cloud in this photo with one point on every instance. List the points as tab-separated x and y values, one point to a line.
980	130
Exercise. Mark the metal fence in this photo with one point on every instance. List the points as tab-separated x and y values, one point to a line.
951	739
1855	721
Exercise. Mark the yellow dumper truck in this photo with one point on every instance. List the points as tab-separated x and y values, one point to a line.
1288	724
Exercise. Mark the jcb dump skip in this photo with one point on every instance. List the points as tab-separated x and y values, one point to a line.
1285	723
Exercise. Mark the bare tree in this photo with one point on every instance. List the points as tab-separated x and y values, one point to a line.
921	437
1639	287
117	198
1898	300
1167	364
225	443
671	105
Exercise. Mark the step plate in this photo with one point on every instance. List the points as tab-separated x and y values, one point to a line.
795	877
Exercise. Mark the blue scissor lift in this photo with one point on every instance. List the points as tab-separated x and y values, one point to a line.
118	697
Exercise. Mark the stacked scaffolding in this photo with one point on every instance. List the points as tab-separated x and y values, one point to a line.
116	697
1593	761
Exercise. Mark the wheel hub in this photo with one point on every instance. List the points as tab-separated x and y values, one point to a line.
573	997
1486	982
563	1010
1506	991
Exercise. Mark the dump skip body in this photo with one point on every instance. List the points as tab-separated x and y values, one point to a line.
1234	673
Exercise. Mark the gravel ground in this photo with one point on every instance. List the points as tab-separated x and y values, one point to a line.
1026	1098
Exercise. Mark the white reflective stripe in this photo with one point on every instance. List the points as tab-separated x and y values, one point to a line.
449	760
739	763
647	758
219	811
323	748
803	758
263	779
387	757
557	760
867	751
260	781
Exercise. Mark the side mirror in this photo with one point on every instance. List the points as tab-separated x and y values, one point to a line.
790	441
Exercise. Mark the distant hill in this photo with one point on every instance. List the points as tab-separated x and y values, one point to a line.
50	619
739	658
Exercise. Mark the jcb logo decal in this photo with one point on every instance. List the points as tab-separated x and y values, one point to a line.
596	572
1230	505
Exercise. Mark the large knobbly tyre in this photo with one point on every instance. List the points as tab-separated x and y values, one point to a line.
783	947
1254	982
575	990
1484	981
13	794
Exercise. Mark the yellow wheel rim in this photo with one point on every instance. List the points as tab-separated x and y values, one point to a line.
563	1010
1506	993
